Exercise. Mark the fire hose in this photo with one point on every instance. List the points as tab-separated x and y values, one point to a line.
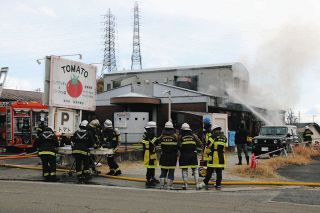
20	156
278	183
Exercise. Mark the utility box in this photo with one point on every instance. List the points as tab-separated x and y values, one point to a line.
219	119
131	125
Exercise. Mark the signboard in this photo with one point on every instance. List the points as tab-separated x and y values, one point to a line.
72	84
65	121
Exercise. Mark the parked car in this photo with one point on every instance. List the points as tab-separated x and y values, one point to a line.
272	138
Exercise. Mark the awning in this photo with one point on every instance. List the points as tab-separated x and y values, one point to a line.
134	98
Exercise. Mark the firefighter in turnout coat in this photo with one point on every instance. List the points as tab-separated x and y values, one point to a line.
149	140
216	161
111	139
307	136
206	136
169	153
82	141
47	144
188	154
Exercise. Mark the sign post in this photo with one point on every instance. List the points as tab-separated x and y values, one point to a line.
70	87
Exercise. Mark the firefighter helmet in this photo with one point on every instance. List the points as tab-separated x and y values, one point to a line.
94	123
206	121
168	125
108	123
306	127
185	126
84	123
216	127
151	124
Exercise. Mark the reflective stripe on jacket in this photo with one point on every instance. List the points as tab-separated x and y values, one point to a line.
208	140
150	156
216	156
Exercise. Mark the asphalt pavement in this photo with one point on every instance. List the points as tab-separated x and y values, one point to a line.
307	173
23	190
17	196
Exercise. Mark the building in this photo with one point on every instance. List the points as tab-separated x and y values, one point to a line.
190	92
314	127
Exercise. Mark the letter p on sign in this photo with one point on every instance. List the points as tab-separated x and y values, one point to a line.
64	118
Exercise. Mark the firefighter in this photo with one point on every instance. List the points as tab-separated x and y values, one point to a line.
206	136
188	154
149	140
241	138
216	160
169	152
111	139
41	126
82	141
307	136
47	144
95	128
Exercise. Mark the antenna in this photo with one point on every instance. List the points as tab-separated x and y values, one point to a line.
136	53
109	59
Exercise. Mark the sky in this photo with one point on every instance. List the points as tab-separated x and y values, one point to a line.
278	41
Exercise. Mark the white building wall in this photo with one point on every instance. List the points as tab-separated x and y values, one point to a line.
211	79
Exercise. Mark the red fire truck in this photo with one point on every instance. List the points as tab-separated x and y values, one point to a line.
18	123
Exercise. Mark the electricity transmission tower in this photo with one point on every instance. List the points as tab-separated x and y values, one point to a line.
136	54
109	58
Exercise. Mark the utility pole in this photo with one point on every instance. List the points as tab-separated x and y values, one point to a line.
136	53
109	58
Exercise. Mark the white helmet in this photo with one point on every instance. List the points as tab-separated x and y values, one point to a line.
151	124
306	127
107	123
42	119
185	126
84	123
168	125
215	127
94	123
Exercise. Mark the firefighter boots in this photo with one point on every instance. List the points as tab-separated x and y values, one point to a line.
162	182
247	158
240	160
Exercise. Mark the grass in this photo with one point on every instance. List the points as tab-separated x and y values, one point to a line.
268	168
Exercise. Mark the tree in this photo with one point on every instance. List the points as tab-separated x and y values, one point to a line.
291	118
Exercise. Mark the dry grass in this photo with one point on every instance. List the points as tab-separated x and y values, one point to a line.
268	168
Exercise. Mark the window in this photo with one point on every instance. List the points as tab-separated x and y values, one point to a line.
108	87
116	84
187	82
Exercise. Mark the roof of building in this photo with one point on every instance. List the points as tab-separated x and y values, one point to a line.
165	69
303	125
20	95
134	98
133	94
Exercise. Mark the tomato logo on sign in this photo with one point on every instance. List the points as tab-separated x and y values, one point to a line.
74	87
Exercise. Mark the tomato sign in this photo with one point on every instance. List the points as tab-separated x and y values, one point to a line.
74	87
72	84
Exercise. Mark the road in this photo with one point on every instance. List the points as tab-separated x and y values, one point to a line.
19	196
